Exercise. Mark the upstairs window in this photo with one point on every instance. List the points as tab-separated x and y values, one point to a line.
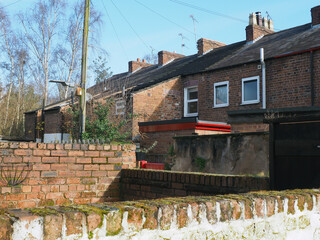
120	106
250	90
221	94
191	101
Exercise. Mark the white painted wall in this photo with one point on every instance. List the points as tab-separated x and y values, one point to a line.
303	225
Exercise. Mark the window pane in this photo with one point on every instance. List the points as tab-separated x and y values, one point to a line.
250	90
193	107
221	94
192	94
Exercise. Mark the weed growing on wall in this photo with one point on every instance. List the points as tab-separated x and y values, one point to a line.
101	125
200	163
171	158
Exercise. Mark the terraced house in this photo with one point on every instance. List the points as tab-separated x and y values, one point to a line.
222	88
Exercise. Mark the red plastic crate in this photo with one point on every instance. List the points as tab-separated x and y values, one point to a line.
158	166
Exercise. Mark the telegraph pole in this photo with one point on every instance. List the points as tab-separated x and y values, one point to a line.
84	68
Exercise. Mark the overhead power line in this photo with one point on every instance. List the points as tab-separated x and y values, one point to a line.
207	11
115	31
11	4
164	17
143	42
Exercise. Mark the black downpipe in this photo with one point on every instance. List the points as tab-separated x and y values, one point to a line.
311	78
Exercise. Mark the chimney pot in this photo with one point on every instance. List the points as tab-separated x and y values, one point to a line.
138	59
259	19
143	60
258	27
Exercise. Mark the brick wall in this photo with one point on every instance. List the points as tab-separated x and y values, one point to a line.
160	102
64	173
288	84
249	127
256	215
234	76
148	184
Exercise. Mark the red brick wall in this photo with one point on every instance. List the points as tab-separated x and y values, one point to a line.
234	76
160	102
287	85
64	173
148	184
288	81
249	127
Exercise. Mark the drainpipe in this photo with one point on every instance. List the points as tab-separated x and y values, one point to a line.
311	78
263	66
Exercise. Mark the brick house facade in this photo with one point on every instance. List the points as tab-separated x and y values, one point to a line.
221	85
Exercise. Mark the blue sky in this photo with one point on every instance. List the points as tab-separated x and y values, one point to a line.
160	34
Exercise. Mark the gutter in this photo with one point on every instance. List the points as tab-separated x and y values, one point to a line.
298	52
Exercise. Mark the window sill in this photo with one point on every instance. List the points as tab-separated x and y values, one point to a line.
221	106
248	103
191	115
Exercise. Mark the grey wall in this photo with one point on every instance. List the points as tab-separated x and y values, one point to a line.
235	154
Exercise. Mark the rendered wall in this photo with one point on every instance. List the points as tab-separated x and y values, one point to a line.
235	154
291	215
64	173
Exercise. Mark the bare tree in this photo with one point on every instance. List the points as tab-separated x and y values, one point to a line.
69	54
40	25
7	47
21	57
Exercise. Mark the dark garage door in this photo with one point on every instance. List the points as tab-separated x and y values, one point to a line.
296	160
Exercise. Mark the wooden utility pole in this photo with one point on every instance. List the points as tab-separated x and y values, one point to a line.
84	68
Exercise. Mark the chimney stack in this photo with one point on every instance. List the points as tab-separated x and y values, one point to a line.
258	27
135	65
164	57
315	15
204	45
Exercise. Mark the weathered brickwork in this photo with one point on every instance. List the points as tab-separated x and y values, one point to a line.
149	184
249	127
288	84
255	215
64	173
234	76
160	102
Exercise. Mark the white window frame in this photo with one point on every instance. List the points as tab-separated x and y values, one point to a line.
186	101
215	104
257	78
120	110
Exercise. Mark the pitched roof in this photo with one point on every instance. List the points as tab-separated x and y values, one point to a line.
144	77
276	44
